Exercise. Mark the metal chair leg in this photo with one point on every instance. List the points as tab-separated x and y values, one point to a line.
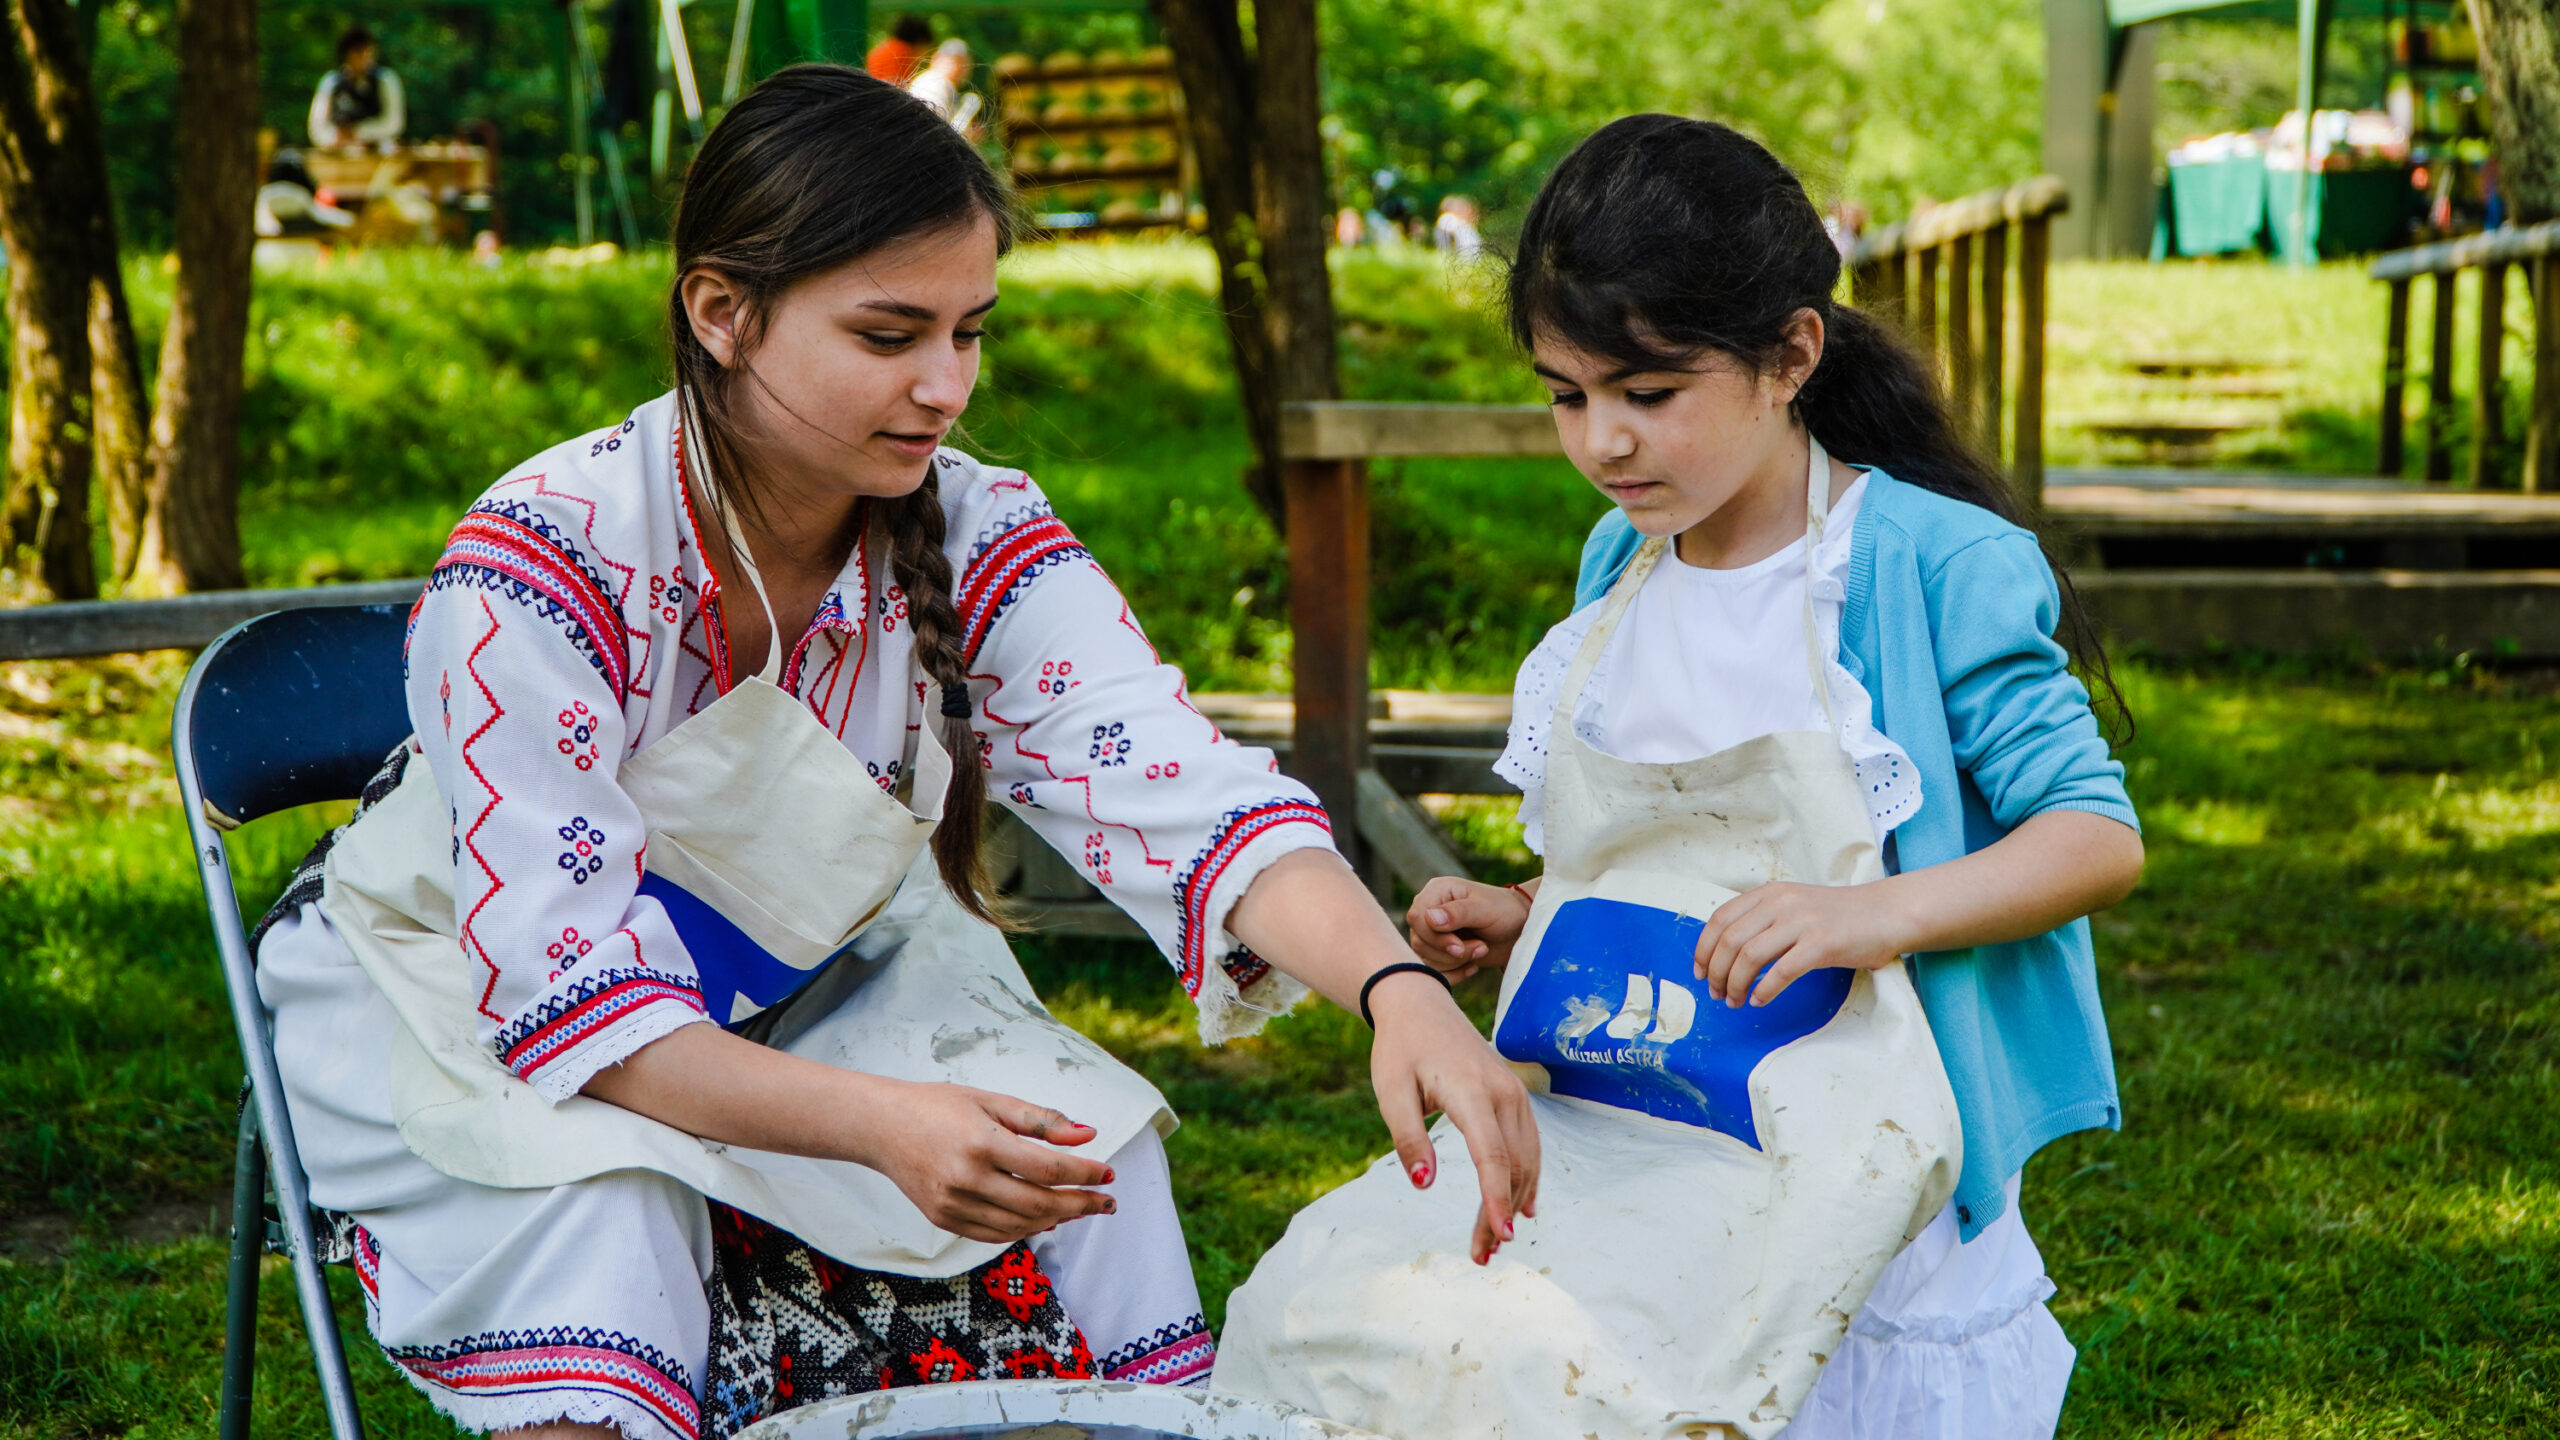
240	1308
310	1282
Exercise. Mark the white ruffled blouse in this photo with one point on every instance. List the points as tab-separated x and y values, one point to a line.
1705	660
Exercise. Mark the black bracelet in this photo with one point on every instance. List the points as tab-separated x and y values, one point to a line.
1398	969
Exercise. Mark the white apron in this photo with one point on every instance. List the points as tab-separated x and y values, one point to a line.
1720	1188
775	853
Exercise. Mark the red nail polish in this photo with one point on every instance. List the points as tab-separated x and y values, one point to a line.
1506	1229
1107	1175
1421	1175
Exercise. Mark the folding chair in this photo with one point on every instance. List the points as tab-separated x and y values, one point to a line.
284	710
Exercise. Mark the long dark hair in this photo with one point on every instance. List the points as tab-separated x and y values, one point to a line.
818	166
1662	239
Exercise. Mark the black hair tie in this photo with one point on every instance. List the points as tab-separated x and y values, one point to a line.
955	703
1398	969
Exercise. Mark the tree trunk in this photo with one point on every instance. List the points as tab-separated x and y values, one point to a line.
191	532
1289	192
2520	69
53	186
116	401
1252	126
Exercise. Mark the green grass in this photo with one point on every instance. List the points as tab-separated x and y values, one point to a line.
2317	334
2335	1211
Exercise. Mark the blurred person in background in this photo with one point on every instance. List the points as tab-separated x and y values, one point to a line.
291	203
939	86
898	58
359	102
1455	231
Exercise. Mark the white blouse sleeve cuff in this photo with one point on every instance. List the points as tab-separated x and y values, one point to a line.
1240	992
611	1045
1533	702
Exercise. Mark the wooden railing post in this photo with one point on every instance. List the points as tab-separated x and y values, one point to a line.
1893	284
2542	425
2035	248
1924	305
1329	620
1961	356
2488	400
2440	378
1995	338
2395	381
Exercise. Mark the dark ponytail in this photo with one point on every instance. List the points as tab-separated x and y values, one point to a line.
1662	239
816	167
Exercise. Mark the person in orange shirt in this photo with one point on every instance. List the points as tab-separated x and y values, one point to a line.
899	57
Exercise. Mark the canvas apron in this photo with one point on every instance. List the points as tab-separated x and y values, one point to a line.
1720	1188
790	875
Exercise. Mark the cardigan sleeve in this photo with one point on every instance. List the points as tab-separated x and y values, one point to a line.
2018	720
1612	543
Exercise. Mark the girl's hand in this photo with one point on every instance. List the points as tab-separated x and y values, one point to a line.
961	1155
1459	926
2054	868
1429	1057
1756	944
1309	915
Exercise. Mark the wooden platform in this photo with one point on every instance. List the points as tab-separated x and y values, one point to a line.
2186	519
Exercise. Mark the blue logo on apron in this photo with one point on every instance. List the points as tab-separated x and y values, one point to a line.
733	968
1611	1007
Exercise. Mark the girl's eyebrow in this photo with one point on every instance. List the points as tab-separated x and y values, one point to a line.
1623	372
905	311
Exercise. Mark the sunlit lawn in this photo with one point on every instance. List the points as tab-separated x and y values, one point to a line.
2335	1210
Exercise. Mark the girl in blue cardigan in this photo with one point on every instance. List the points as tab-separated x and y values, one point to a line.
1811	732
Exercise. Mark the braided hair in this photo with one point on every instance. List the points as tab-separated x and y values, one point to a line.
814	168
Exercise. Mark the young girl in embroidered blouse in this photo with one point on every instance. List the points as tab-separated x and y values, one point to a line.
505	996
1790	487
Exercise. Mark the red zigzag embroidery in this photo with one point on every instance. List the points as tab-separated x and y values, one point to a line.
470	939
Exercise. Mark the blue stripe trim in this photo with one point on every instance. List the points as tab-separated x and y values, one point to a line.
729	963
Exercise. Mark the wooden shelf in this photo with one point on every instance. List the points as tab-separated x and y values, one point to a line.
1046	178
1158	120
1108	72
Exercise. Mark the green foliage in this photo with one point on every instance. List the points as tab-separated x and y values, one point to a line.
2240	72
1913	122
457	64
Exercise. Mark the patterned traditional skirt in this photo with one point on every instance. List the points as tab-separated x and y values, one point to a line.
790	1326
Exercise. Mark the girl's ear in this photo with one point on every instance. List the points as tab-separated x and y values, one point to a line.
716	308
1798	353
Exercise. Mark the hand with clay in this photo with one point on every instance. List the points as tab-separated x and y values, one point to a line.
1460	926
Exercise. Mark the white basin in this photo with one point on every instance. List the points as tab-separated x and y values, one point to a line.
1048	1410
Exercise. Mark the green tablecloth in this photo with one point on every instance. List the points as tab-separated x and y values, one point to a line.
2353	212
2219	206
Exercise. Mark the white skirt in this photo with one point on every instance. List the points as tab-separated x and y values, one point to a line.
1954	1343
586	1302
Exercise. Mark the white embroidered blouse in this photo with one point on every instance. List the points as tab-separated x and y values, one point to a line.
1707	659
572	622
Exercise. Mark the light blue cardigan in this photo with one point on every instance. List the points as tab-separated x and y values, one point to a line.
1949	625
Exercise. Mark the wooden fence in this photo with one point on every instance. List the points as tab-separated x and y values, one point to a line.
1945	272
2536	251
